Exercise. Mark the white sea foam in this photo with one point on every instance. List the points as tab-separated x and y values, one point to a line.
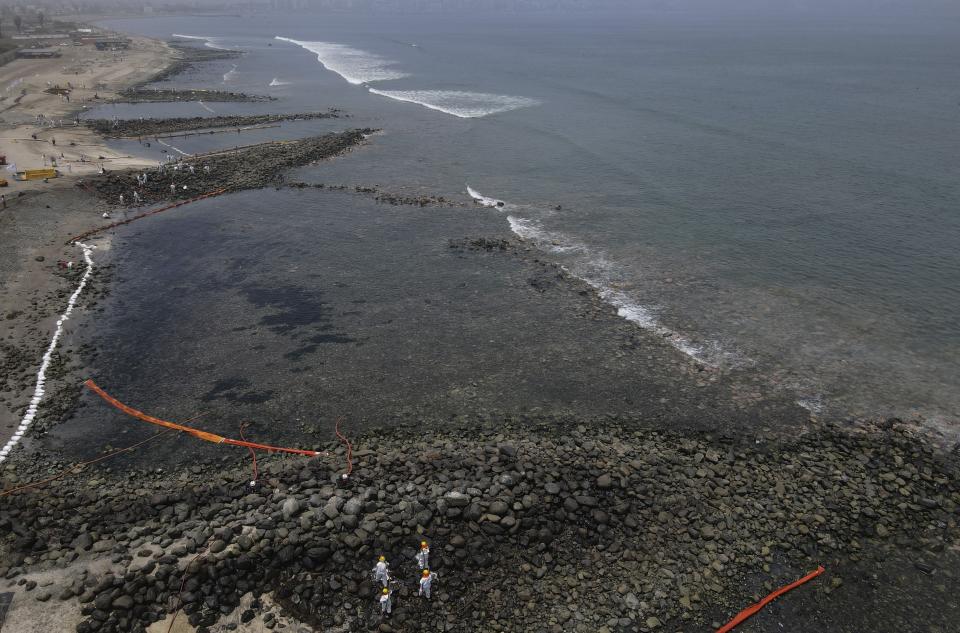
39	391
278	82
176	149
209	42
590	264
361	67
466	105
594	268
355	65
813	403
484	200
230	74
206	107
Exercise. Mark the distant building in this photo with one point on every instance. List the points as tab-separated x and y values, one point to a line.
38	53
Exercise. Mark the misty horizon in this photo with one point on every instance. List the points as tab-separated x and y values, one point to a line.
865	9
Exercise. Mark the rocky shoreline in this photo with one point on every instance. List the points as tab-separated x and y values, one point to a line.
601	525
612	524
537	523
133	128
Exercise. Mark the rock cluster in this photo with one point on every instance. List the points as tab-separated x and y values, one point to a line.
488	244
395	199
151	127
556	527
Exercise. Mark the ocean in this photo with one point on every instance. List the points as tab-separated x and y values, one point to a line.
774	196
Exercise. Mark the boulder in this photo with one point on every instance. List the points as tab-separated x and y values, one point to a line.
290	507
499	508
353	506
456	499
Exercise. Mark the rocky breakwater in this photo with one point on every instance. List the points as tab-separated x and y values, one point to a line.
249	167
188	57
165	95
132	128
546	528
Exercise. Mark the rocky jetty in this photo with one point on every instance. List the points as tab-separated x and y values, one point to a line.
552	526
189	56
132	128
158	95
250	167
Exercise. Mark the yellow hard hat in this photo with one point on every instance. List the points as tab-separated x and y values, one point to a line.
426	572
385	590
423	543
383	558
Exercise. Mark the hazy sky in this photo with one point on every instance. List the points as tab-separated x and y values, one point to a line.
861	7
865	8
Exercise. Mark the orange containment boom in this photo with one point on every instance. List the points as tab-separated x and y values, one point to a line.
749	611
203	435
112	225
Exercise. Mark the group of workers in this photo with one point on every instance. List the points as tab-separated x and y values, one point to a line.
381	576
142	178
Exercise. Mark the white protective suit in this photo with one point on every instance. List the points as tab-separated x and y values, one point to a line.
425	583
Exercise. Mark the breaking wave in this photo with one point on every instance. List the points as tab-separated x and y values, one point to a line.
209	42
595	269
354	65
482	199
277	82
230	74
466	105
361	67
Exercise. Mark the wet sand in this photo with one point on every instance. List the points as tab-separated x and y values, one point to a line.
33	288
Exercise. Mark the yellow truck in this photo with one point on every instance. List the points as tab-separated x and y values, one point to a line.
36	174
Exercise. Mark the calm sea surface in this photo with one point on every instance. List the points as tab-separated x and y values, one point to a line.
778	195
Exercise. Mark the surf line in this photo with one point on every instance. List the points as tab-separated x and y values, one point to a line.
205	107
531	231
39	390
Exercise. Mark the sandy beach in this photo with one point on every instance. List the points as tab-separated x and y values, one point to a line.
93	77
